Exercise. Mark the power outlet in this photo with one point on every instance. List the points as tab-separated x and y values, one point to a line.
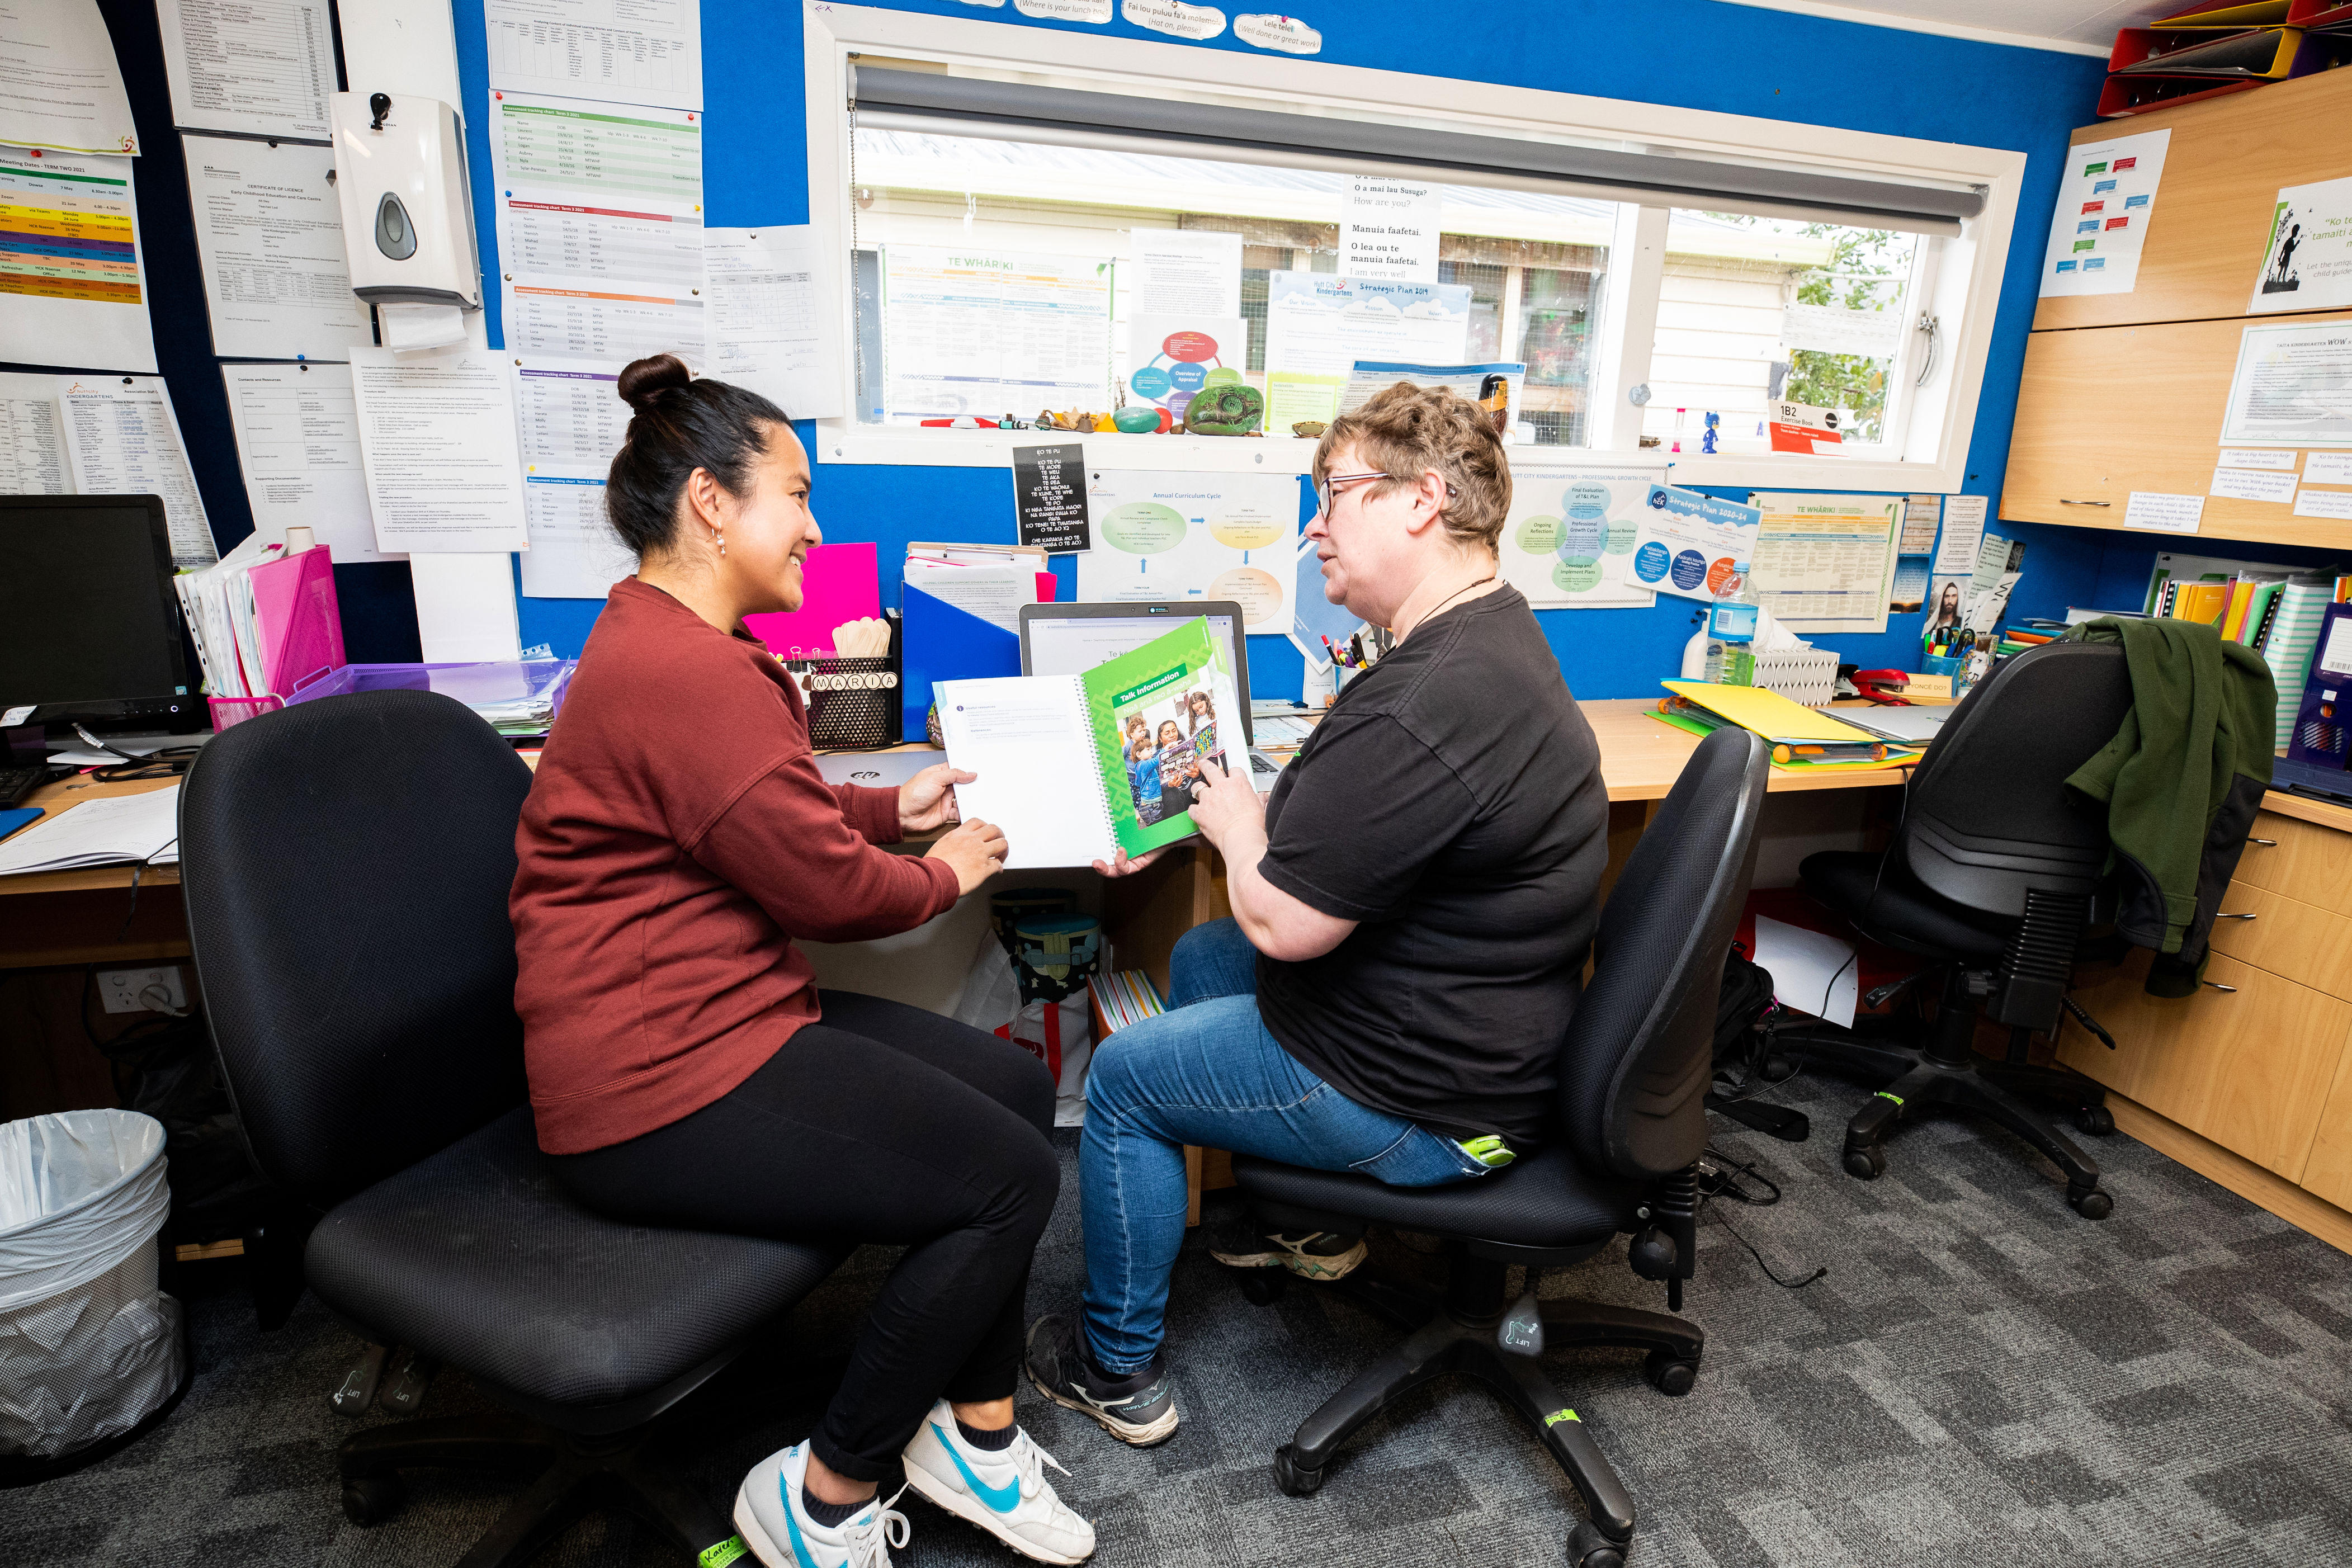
119	988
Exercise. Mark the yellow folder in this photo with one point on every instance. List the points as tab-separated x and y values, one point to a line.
1768	713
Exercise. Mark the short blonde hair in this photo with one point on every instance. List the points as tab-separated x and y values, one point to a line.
1406	430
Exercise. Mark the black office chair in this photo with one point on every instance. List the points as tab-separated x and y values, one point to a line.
1994	875
1635	1062
345	866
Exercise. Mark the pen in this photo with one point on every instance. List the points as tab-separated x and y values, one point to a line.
1356	643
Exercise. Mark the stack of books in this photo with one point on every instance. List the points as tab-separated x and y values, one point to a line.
1124	998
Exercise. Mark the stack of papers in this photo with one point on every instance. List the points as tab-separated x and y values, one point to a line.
113	830
218	603
992	582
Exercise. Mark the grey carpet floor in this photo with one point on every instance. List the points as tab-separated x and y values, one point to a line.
1982	1377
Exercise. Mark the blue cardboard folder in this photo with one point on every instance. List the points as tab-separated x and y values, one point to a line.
941	642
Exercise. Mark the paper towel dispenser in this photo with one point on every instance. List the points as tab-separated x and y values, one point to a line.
408	210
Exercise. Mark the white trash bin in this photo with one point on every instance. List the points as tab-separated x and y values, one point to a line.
88	1347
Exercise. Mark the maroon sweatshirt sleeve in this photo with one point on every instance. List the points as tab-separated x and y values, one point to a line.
787	840
874	812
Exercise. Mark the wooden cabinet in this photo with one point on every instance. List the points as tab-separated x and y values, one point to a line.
2306	860
2287	936
2222	170
2328	1173
2249	1068
2109	410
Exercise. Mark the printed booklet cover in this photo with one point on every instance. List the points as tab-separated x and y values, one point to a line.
1074	768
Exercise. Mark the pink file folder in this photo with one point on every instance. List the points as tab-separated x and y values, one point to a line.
301	625
839	583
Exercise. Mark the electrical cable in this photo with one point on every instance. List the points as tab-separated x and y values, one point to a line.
1725	1187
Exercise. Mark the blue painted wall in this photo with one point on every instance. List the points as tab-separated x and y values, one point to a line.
1694	54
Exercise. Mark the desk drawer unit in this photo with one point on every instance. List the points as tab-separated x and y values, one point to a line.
2297	940
2301	859
2251	1068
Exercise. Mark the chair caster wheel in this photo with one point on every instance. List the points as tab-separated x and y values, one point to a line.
2092	1203
1777	1069
371	1499
1865	1164
1669	1373
1296	1480
1588	1548
2096	1119
1260	1287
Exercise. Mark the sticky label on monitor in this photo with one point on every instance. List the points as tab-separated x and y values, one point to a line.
15	716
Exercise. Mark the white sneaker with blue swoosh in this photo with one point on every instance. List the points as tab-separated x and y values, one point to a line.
779	1532
1004	1491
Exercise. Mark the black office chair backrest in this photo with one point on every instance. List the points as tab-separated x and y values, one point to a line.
345	865
1641	1047
1989	815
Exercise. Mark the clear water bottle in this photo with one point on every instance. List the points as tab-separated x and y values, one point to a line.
1732	630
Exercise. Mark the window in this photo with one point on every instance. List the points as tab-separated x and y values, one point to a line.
1649	267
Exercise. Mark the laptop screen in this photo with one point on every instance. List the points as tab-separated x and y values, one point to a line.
1076	645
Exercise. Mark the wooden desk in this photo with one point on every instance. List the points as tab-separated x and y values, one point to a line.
54	917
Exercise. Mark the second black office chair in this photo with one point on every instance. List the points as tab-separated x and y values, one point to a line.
346	864
1635	1061
1994	872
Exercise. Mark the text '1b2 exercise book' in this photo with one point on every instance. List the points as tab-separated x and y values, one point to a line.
1074	768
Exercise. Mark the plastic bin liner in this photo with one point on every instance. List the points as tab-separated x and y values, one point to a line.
88	1345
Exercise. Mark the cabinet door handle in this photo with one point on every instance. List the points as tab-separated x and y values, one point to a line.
2265	842
2231	917
2217	985
2064	501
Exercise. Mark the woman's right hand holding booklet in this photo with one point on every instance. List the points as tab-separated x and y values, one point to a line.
973	849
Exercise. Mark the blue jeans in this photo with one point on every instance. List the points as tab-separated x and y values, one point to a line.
1207	1073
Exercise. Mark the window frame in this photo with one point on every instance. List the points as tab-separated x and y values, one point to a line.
1960	285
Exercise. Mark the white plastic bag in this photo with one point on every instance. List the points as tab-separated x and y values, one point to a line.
1061	1034
88	1345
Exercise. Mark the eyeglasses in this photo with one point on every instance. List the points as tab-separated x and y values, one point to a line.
1323	491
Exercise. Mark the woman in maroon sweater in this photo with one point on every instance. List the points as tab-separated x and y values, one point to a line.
684	1069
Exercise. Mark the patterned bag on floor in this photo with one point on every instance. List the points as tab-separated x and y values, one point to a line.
1061	1034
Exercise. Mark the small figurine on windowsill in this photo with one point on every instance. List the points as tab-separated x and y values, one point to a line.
1707	440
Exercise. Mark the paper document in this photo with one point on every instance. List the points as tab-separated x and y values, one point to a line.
1964	521
2106	198
1567	541
568	411
574	553
1687	542
1013	731
766	330
298	441
33	460
629	51
77	296
599	227
2337	504
270	231
2308	263
1317	325
992	332
1193	535
1186	272
1825	563
437	434
994	594
2161	513
2292	386
262	68
125	441
59	87
1810	973
1388	226
1172	355
2252	484
109	831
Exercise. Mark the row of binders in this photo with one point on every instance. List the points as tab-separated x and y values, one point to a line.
263	619
1123	999
2210	50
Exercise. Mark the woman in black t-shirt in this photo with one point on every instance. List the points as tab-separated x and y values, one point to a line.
1412	908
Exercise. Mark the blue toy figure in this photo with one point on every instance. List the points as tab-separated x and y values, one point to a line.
1706	441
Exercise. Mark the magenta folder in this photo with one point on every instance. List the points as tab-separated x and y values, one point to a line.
300	623
839	583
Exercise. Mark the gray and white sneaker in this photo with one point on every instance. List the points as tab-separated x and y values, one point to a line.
1139	1409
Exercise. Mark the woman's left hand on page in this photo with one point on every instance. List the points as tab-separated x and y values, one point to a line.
928	800
1224	800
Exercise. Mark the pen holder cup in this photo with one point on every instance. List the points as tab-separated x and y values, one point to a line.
227	711
852	703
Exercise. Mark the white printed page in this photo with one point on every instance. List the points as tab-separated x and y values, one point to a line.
298	441
59	86
32	440
84	305
574	553
437	436
631	51
110	829
568	412
270	230
1026	738
122	438
599	227
759	286
262	68
992	332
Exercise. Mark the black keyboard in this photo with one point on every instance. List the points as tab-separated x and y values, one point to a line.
16	783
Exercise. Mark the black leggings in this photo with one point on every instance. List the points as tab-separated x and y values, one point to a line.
882	1123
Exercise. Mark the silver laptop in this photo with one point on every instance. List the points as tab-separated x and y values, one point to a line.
1070	639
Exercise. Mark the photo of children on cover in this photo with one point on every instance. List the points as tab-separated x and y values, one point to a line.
1168	738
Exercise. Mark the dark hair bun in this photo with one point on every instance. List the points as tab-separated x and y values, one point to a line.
646	379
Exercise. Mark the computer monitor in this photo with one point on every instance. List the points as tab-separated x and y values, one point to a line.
90	624
1070	639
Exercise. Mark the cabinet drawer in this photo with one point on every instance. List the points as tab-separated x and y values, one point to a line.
2293	940
2303	860
2250	1069
2328	1174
